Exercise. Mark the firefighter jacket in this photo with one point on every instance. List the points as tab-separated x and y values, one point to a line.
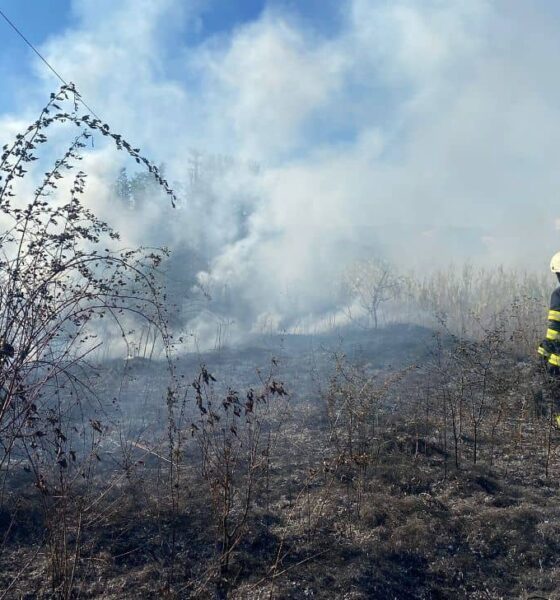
549	348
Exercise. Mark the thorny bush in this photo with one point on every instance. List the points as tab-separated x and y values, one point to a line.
58	277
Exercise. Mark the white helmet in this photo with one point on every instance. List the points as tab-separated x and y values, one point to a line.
555	263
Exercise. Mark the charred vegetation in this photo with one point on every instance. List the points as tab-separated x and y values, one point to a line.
379	459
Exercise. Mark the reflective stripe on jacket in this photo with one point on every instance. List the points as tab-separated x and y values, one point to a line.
550	347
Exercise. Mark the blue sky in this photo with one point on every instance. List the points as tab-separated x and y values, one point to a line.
41	20
37	20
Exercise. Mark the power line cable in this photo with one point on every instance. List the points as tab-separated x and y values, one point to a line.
13	26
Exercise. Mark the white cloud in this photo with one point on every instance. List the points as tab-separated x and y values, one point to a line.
267	81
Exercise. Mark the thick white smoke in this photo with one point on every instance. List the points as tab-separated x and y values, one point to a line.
425	131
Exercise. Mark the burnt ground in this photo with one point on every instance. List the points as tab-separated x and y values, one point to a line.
394	517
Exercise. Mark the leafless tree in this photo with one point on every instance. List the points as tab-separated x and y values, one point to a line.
371	283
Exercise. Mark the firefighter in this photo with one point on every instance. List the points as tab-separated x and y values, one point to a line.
549	348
